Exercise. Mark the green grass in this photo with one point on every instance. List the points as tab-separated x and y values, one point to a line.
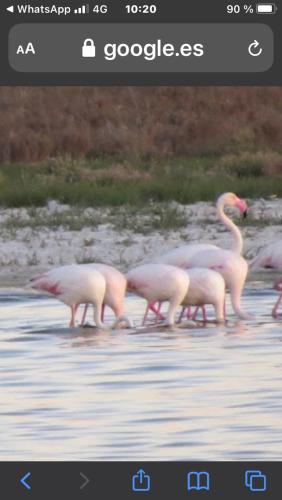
114	181
71	220
154	217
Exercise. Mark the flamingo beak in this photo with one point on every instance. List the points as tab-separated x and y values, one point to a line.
243	207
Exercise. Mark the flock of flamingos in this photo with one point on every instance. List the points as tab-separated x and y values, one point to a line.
191	277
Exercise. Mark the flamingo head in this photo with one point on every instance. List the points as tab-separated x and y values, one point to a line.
233	200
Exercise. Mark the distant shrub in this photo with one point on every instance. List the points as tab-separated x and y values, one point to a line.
134	122
248	164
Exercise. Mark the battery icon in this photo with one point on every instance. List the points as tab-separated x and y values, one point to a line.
266	8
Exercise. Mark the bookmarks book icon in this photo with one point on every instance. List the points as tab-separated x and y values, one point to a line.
198	481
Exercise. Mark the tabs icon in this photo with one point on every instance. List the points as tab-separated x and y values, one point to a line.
255	480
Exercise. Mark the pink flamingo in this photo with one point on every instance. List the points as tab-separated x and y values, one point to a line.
269	257
180	256
74	285
277	286
159	283
232	267
115	290
206	287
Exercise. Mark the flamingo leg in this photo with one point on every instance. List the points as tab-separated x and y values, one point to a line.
159	316
205	318
103	312
189	312
156	310
224	308
181	314
73	314
84	314
146	314
194	315
276	306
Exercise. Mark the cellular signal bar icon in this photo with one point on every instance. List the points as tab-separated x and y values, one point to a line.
84	9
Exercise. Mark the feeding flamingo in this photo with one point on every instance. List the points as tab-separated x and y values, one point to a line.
206	287
115	290
269	257
180	256
159	283
74	285
232	267
277	286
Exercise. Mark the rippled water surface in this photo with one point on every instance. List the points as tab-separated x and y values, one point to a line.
206	393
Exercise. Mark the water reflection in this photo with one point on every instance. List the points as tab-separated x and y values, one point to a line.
211	393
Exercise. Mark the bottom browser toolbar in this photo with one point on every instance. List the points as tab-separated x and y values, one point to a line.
156	480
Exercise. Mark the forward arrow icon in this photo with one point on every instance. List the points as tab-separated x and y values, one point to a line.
85	480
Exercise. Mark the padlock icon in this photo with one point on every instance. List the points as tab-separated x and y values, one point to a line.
88	49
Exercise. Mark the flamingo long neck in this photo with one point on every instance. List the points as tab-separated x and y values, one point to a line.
98	315
118	308
170	318
236	290
122	320
237	245
236	304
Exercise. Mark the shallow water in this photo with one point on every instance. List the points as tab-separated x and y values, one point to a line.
205	393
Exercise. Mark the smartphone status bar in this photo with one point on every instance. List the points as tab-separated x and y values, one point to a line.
157	43
142	8
88	9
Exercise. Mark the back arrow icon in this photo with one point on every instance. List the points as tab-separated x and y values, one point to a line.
24	482
85	480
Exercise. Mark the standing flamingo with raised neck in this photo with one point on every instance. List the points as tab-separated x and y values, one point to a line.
159	283
231	199
180	256
186	255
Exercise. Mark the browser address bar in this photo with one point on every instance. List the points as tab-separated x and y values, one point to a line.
145	48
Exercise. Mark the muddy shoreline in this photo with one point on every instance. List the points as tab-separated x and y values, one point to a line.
26	247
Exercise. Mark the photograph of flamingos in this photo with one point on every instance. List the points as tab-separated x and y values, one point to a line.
141	273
